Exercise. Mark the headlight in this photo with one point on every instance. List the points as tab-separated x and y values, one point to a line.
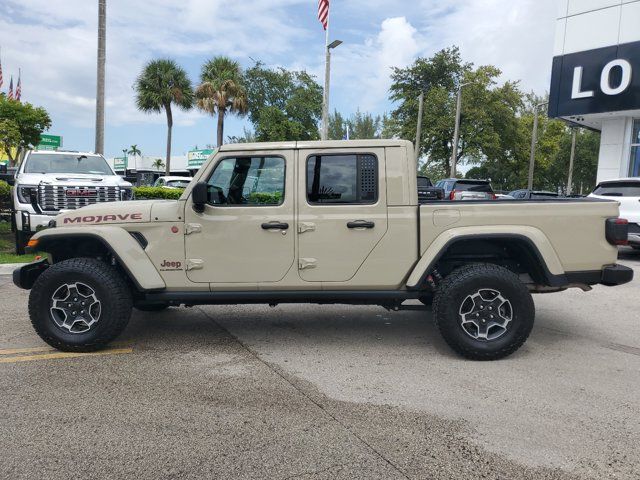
126	193
24	192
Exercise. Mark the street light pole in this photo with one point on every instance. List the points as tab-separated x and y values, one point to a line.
419	126
456	131
571	160
534	141
327	81
102	34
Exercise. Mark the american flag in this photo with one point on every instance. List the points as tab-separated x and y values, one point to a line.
323	12
10	95
19	88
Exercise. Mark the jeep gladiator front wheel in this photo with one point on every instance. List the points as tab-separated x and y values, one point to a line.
483	311
80	305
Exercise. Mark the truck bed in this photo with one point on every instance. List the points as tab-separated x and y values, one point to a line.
569	233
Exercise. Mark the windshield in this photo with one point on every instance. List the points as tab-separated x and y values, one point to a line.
473	186
424	182
618	189
71	163
178	183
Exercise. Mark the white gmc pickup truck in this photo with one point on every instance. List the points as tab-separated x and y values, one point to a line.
50	182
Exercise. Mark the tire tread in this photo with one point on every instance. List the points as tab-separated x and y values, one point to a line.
443	295
121	302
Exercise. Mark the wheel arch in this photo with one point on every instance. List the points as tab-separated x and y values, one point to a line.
127	251
534	252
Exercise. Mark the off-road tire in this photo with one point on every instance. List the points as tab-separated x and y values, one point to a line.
110	288
21	242
151	307
464	283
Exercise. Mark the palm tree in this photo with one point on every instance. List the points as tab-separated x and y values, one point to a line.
158	164
135	151
221	90
160	84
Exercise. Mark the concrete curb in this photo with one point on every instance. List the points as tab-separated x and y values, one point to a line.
8	268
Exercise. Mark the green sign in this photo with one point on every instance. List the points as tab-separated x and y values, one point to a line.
120	163
195	158
49	142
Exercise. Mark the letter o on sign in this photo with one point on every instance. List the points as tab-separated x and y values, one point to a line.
625	81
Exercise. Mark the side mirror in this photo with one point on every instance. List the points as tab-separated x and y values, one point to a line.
200	196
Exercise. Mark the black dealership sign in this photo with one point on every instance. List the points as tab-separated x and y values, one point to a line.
596	81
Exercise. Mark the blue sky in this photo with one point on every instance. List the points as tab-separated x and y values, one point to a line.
54	42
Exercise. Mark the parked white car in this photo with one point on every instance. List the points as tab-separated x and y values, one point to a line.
172	182
627	192
50	182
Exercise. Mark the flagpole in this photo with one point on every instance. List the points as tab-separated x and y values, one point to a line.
327	73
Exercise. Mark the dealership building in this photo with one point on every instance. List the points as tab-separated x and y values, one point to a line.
595	81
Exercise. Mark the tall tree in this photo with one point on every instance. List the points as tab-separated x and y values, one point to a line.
489	111
21	125
360	125
163	83
134	150
221	91
283	104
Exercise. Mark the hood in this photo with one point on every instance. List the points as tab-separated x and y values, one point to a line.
137	211
75	179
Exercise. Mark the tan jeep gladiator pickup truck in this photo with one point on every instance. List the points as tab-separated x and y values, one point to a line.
319	222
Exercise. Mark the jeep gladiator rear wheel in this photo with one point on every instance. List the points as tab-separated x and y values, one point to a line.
483	311
80	305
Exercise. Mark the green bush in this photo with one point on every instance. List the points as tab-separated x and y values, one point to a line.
5	191
153	193
265	198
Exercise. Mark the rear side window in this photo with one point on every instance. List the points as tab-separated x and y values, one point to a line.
342	179
473	187
618	189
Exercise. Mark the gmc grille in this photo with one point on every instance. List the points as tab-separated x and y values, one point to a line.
53	198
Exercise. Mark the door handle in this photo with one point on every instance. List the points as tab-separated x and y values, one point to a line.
275	226
361	224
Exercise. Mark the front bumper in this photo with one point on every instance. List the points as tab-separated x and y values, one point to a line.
25	276
28	222
616	275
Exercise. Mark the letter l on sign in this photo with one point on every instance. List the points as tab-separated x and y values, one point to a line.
576	90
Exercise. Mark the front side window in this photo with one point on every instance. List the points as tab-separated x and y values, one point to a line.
255	181
342	179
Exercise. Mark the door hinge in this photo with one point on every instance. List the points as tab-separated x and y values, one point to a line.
306	227
306	263
195	264
190	228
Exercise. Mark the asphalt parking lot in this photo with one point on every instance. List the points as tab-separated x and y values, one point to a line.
312	392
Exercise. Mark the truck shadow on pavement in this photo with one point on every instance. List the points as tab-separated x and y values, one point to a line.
303	328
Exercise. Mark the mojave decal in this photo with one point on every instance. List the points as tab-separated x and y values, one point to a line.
116	218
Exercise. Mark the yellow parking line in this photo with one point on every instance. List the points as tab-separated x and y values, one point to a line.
57	355
13	351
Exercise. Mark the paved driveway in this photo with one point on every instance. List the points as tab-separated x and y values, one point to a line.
326	392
